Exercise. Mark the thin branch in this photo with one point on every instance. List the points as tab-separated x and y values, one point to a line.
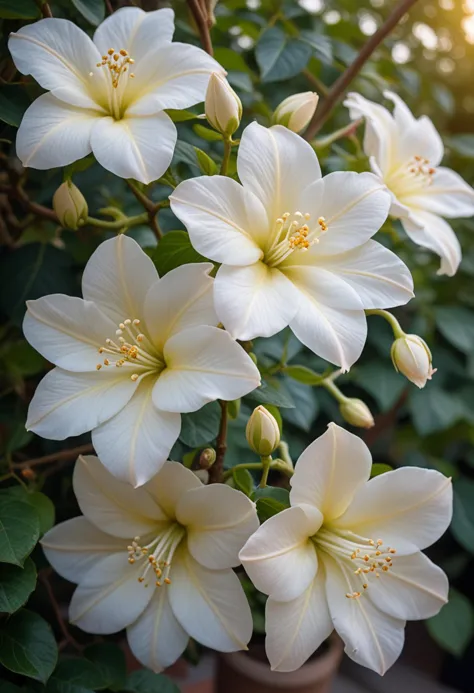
385	421
151	207
46	10
339	87
216	472
44	577
20	195
199	13
55	457
109	7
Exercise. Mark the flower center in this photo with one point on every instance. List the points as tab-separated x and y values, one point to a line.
411	177
117	64
157	556
291	233
368	557
133	349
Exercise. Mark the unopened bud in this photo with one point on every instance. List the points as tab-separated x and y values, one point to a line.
412	357
223	106
70	205
296	111
263	433
207	458
356	413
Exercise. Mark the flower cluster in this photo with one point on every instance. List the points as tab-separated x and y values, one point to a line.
282	246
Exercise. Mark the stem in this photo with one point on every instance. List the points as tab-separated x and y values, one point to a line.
216	472
315	82
151	207
126	222
277	465
346	131
340	85
46	10
109	7
44	575
391	319
333	390
226	159
199	14
54	457
266	464
21	196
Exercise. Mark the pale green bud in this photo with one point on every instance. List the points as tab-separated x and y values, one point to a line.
296	111
223	106
356	413
263	433
70	205
412	357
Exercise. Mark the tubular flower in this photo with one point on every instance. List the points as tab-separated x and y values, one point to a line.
156	560
347	555
405	153
294	247
131	356
107	96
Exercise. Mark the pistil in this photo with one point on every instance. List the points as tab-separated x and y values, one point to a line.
289	236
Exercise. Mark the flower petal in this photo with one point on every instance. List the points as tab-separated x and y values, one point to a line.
68	404
135	147
353	205
317	281
280	558
329	472
210	605
181	299
156	638
421	139
115	507
404	118
109	597
60	56
254	301
54	134
413	588
134	444
409	508
306	624
371	637
136	31
218	520
334	334
74	546
433	232
203	364
222	218
117	278
276	165
381	131
175	75
448	195
67	331
170	485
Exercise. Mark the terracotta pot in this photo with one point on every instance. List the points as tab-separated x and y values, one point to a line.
239	672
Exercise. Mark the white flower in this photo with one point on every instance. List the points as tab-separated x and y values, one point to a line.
346	555
107	95
294	247
405	153
223	106
412	357
296	111
131	356
156	560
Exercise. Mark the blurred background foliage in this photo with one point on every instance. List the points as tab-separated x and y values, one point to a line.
270	50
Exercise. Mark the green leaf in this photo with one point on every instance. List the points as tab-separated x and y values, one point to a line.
180	116
78	166
433	409
379	468
243	480
28	646
13	103
321	45
462	525
230	59
272	391
304	375
19	529
207	134
44	508
280	57
456	324
382	382
18	9
30	272
92	10
110	661
306	408
267	507
200	427
144	681
280	495
453	627
206	164
174	250
16	585
73	675
185	153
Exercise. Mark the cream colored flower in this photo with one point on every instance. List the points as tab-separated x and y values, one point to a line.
347	555
156	560
296	111
223	106
412	357
405	153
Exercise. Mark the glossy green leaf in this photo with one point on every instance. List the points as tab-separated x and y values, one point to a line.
92	10
19	529
280	495
45	509
200	427
453	627
174	250
13	103
109	660
74	675
272	391
456	324
206	133
18	9
28	646
206	164
280	57
462	525
16	585
306	408
303	374
180	116
243	480
144	681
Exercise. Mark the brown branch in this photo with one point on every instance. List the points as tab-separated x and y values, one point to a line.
44	577
20	195
199	14
46	10
151	207
109	7
55	457
216	472
339	87
384	421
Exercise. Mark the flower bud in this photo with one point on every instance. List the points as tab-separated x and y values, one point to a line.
263	433
356	413
223	106
70	205
296	111
412	357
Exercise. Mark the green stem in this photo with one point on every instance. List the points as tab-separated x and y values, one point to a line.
391	319
226	159
333	390
126	222
245	465
346	131
266	464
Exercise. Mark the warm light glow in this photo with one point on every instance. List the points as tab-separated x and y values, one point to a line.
468	28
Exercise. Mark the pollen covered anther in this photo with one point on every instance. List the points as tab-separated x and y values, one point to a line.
157	555
116	62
